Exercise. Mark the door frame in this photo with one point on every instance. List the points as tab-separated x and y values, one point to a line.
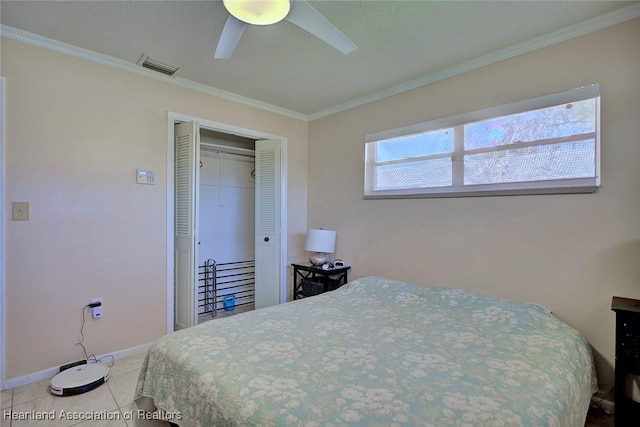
172	118
2	235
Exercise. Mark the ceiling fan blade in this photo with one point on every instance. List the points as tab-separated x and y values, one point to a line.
309	19
229	38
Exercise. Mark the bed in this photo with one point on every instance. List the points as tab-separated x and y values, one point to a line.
375	352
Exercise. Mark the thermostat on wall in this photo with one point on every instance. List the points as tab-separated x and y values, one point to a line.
146	177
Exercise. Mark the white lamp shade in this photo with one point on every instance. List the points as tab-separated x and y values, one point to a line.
319	240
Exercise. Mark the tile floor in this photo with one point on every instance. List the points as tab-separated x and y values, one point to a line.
112	401
223	313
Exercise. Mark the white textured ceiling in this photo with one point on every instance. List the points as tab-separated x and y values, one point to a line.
282	65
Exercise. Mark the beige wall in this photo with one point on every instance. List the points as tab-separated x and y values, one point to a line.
570	253
76	132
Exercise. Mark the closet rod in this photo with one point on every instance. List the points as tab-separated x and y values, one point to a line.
207	146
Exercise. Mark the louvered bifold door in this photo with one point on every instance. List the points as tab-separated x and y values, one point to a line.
267	228
187	141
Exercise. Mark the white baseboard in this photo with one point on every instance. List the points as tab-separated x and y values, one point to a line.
51	372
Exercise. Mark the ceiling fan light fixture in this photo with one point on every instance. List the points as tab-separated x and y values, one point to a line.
258	12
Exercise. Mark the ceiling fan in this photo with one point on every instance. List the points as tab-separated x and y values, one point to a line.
267	12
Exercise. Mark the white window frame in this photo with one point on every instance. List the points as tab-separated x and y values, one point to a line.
458	189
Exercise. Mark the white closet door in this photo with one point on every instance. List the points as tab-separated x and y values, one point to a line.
267	229
187	143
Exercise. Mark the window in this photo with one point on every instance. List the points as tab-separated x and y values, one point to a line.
549	144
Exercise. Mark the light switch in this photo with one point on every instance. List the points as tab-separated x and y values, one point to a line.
20	211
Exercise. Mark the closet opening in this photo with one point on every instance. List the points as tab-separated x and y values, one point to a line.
237	163
226	233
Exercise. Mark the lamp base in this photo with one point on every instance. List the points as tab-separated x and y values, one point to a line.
318	258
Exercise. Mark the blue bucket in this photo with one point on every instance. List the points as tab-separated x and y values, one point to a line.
229	302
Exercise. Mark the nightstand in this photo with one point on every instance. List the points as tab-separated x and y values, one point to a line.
309	280
627	358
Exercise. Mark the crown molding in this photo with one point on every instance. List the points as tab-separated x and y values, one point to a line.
98	58
607	20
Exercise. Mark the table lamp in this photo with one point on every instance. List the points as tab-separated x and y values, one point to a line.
320	243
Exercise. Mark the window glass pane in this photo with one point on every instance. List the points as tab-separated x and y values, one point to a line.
540	163
553	122
410	146
422	174
543	145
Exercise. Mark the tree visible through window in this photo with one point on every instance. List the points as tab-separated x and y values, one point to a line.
554	148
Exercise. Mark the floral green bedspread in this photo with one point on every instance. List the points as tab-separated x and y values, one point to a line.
376	352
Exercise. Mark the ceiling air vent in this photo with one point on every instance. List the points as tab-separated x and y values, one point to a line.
162	67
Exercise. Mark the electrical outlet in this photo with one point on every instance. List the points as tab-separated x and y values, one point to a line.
96	312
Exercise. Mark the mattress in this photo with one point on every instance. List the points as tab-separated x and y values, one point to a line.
374	352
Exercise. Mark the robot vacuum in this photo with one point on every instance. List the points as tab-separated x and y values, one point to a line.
79	379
